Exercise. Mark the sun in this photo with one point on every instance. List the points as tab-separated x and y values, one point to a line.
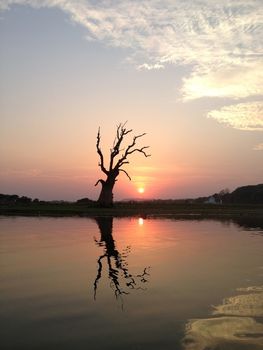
141	190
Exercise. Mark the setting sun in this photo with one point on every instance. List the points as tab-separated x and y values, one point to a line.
141	190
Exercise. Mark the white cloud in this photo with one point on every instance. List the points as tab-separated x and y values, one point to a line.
150	66
242	116
221	42
230	81
258	147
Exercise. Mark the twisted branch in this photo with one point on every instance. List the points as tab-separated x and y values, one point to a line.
121	132
129	150
125	172
101	163
99	181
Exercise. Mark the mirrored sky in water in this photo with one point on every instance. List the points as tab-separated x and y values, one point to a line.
130	283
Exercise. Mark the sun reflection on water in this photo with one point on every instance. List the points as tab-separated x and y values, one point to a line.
140	221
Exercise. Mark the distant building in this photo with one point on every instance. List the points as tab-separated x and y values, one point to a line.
215	199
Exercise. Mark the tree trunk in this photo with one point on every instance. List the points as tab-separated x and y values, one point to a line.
106	195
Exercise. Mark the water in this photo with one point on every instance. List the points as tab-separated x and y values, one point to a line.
78	283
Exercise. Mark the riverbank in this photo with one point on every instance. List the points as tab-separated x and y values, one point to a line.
124	209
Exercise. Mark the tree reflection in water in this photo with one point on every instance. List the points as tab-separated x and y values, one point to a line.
122	281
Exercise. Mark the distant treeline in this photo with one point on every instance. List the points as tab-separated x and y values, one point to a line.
15	199
10	199
252	194
246	194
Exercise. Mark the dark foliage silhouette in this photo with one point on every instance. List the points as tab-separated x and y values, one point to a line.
252	194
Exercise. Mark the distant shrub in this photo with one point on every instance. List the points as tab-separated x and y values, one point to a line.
24	200
85	201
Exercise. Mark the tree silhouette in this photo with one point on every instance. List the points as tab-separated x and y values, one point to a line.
116	162
121	280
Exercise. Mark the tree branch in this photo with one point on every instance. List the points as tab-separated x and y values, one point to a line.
100	180
119	154
98	274
129	150
101	163
121	132
125	173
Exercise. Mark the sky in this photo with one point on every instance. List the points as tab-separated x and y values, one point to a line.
187	73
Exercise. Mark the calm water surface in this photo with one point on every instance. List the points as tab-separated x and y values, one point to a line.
78	283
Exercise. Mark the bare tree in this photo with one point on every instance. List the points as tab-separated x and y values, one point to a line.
118	159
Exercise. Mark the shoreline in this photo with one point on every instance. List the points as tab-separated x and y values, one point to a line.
138	209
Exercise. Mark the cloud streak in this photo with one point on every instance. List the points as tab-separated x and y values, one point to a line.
220	42
258	147
242	116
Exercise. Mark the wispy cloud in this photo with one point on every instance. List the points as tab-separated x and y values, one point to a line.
21	172
220	42
242	116
74	174
150	66
258	147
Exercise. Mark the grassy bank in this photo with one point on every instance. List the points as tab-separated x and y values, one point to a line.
152	208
